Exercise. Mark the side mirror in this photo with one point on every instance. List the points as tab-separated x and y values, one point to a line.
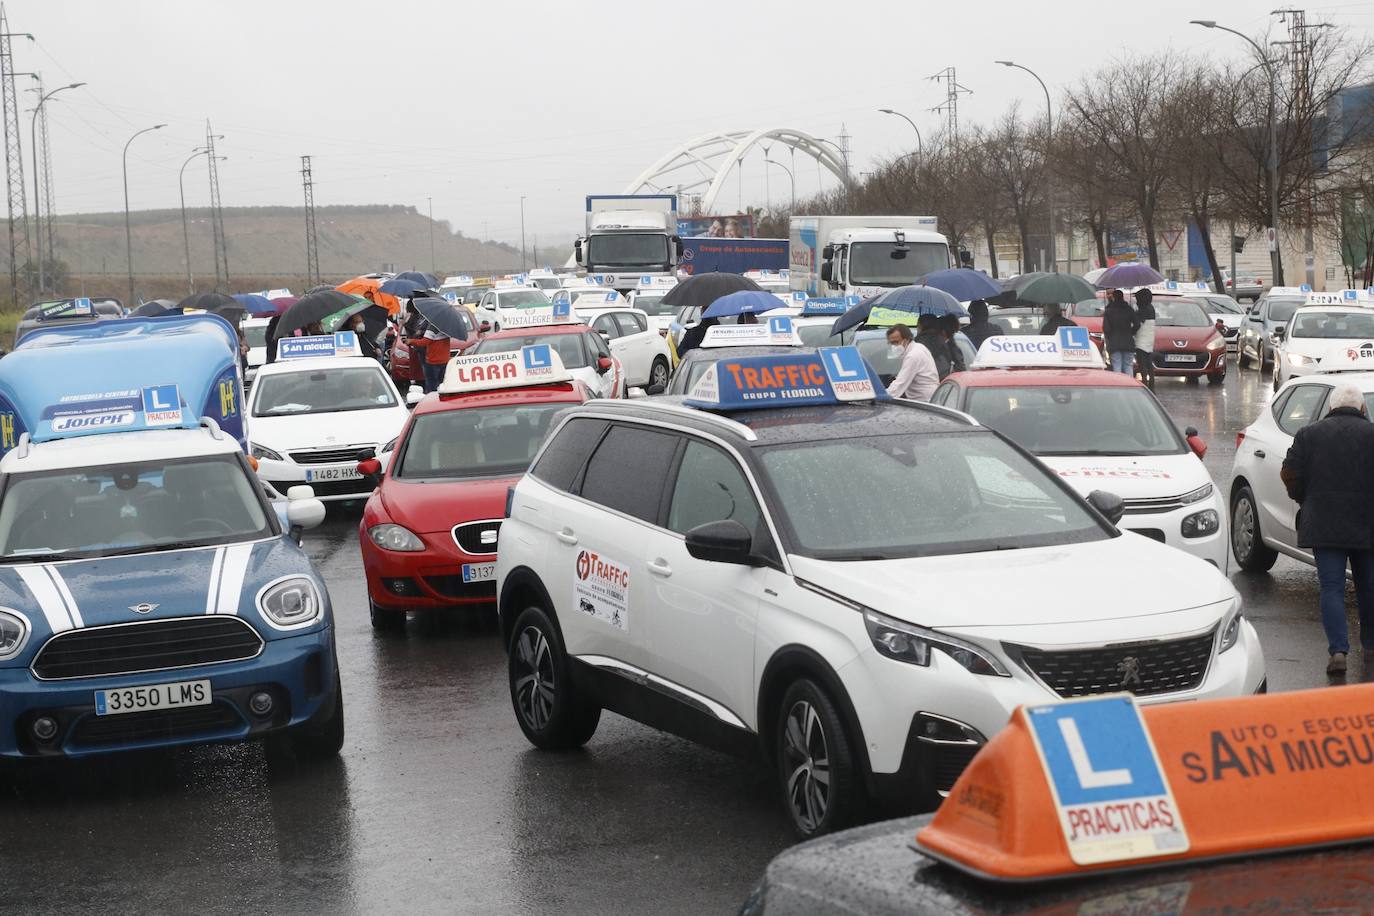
577	251
1195	442
1221	326
721	542
603	365
1109	504
677	246
1280	332
302	512
828	271
828	252
484	327
371	468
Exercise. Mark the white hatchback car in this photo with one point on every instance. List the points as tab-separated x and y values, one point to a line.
642	351
862	589
1325	338
498	302
1263	518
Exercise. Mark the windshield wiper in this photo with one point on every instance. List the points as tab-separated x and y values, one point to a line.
1096	452
36	558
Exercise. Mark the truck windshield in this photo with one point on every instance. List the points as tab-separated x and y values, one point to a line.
874	264
628	250
129	508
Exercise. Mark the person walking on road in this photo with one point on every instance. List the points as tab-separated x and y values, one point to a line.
1054	320
917	378
1119	324
1329	472
980	326
928	334
949	326
1145	336
437	351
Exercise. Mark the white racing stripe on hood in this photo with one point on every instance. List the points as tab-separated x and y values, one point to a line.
216	567
44	591
232	572
66	594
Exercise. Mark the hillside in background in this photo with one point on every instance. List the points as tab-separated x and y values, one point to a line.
270	241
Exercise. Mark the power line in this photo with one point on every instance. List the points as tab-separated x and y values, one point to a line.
312	245
216	213
20	252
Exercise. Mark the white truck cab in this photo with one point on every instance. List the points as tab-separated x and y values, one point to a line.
863	255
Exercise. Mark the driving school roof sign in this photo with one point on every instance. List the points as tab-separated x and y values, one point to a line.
1070	348
776	330
832	375
533	365
340	343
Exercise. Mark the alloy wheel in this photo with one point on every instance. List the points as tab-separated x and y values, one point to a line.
658	375
807	764
535	683
1243	527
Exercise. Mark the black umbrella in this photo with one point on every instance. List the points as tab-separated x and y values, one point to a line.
427	280
703	289
313	307
232	314
208	302
443	315
156	309
318	289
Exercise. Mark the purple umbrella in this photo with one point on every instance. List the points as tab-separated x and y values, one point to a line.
1131	273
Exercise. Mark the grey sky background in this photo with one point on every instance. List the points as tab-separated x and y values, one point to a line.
476	103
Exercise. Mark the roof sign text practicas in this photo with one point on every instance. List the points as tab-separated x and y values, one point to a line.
832	375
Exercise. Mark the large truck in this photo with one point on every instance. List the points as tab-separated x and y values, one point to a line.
629	236
863	255
704	254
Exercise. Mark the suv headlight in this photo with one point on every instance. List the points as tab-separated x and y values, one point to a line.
1200	524
291	602
905	642
1230	629
394	537
262	451
14	634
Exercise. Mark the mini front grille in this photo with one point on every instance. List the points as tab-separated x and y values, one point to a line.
154	645
477	537
328	455
1145	669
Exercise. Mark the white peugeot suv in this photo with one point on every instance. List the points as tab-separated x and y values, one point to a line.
862	589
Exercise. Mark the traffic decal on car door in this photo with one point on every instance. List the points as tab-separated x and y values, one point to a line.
602	588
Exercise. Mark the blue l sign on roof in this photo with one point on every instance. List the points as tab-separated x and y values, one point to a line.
562	308
161	405
1113	800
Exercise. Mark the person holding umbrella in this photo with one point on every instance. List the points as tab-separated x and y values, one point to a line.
1145	336
1054	320
917	378
1119	324
929	335
981	327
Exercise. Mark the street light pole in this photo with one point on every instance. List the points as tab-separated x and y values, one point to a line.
1275	258
38	201
185	230
128	231
790	177
1049	172
522	232
909	121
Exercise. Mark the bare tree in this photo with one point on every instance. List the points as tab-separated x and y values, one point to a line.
1087	182
1121	107
1014	162
1193	150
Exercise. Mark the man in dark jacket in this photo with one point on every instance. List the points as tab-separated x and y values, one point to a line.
980	326
1329	472
949	326
1119	324
1054	320
928	333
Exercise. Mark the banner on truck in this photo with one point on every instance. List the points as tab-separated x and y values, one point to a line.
738	226
732	256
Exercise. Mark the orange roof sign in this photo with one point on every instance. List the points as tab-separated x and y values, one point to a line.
1099	784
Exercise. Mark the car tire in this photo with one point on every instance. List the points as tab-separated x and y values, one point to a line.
1192	379
658	373
811	742
1241	359
384	619
550	710
1216	378
1247	546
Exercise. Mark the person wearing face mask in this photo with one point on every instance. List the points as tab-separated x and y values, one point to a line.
366	344
917	378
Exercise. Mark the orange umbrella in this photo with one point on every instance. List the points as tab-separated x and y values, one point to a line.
370	288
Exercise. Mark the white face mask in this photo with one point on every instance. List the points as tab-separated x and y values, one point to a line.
895	351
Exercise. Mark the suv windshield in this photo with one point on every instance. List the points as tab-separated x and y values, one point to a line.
874	264
629	250
1331	324
322	391
913	494
1180	313
522	298
570	347
485	442
130	508
1077	421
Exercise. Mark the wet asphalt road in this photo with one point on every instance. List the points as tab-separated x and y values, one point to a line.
438	804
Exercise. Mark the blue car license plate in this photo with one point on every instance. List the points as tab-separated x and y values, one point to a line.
479	572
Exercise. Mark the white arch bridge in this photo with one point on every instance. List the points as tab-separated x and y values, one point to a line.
705	161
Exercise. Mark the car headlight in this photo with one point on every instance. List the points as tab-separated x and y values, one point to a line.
906	642
394	537
1217	343
1230	629
291	602
262	451
14	634
1297	359
1201	524
1196	496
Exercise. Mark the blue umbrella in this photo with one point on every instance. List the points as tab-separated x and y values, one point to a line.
918	300
962	283
742	302
419	277
397	286
255	305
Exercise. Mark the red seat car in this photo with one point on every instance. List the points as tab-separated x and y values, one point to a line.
405	370
428	532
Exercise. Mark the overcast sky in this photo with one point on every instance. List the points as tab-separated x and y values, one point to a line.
477	103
